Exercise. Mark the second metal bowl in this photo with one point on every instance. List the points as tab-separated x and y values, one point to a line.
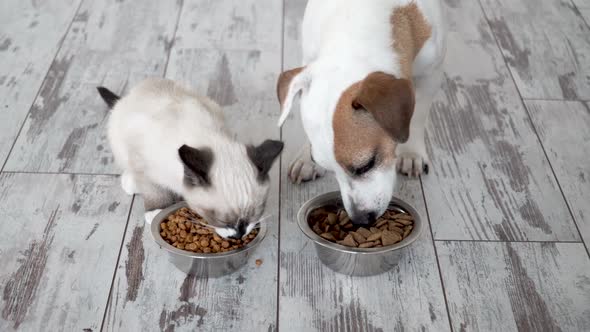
356	261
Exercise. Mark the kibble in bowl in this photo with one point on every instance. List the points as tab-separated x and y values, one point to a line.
195	249
355	250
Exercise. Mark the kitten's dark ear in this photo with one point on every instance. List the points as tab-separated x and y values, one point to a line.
264	155
197	163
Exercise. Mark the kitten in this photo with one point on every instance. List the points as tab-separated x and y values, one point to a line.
172	142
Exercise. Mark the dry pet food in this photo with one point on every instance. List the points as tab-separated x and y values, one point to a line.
186	230
333	224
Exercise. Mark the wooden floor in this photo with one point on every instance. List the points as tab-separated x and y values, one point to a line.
508	198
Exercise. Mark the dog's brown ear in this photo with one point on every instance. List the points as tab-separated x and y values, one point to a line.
390	100
289	84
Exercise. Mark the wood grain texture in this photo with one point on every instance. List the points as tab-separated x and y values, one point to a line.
516	286
30	35
582	4
110	44
242	81
564	130
59	250
490	178
314	298
546	44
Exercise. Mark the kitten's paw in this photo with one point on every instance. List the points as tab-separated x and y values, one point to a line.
128	184
150	215
412	160
304	169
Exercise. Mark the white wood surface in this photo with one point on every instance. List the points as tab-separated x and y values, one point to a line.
30	35
59	242
242	80
564	130
111	43
516	286
489	178
500	172
546	44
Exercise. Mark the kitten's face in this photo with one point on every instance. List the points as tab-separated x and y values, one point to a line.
229	187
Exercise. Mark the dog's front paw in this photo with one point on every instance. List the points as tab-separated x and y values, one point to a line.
412	162
304	169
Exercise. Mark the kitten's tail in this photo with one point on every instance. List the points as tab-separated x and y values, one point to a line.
108	96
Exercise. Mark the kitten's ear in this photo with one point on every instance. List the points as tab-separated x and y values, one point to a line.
197	163
264	155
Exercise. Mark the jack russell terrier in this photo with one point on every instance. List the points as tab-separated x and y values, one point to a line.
370	72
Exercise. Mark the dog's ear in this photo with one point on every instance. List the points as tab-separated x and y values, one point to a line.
197	163
264	155
290	83
390	100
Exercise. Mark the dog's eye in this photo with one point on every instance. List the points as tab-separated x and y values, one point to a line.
358	171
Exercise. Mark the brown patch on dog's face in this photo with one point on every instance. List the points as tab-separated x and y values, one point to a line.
410	31
284	82
358	137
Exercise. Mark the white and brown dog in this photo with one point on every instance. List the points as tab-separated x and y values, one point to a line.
370	72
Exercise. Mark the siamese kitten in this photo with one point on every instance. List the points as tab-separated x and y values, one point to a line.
171	142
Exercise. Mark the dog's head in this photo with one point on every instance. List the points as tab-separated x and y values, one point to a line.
354	132
228	185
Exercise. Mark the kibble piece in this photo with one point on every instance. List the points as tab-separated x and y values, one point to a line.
364	232
358	237
224	244
374	229
367	245
331	219
258	262
206	250
204	242
374	237
216	247
381	223
202	231
183	234
316	228
348	241
406	216
216	238
191	246
348	225
407	231
389	238
397	230
328	236
404	222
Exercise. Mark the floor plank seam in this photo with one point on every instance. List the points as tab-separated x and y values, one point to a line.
442	283
535	131
556	99
278	311
506	241
106	308
173	41
578	12
63	173
60	44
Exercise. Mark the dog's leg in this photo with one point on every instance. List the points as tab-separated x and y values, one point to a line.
412	159
303	168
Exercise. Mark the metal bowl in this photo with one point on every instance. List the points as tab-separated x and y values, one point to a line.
200	264
357	261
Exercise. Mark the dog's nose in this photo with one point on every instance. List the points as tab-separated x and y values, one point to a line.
364	218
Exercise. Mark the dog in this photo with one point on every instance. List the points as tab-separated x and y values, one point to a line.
171	143
370	72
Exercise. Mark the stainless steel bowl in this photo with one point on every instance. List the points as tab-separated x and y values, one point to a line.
203	265
356	261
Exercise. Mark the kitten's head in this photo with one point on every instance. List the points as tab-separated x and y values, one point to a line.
228	185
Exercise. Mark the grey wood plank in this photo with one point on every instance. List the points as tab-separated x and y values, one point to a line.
546	44
516	286
564	130
242	80
586	14
314	298
582	4
60	237
30	35
111	43
490	178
